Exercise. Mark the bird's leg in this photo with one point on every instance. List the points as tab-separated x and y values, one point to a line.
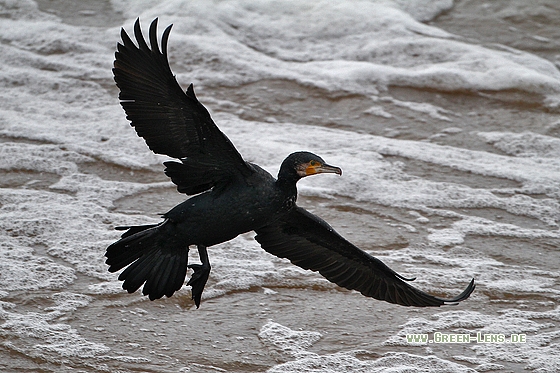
200	275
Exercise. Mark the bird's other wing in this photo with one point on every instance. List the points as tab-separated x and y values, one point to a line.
310	243
171	121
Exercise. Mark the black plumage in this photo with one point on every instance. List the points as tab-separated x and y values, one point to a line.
229	195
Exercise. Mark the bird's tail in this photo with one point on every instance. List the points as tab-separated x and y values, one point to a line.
154	256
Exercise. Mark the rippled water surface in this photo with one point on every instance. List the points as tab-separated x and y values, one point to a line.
444	116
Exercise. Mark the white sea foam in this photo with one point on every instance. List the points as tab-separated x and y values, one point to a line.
295	344
390	362
41	335
50	337
526	144
424	10
361	46
288	341
433	111
21	270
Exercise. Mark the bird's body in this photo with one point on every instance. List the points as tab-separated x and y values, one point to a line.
229	196
214	216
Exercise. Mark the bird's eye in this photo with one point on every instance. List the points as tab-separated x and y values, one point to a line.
314	163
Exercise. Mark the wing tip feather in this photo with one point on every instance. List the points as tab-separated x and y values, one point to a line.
165	39
190	92
461	297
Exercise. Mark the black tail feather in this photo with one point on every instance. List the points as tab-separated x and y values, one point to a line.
130	247
134	229
154	256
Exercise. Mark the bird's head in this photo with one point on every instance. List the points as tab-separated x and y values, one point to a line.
302	164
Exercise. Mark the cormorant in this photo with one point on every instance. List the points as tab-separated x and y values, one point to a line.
230	196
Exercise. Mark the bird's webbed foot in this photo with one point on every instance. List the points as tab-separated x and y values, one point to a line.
200	276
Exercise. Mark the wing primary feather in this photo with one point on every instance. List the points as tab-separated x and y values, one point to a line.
140	38
190	92
405	278
153	37
164	39
127	42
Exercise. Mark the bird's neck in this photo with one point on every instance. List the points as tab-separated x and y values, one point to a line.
287	184
288	191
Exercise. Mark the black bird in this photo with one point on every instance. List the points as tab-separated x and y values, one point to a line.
231	196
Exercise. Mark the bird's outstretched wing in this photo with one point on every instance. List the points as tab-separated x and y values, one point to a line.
171	121
310	243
